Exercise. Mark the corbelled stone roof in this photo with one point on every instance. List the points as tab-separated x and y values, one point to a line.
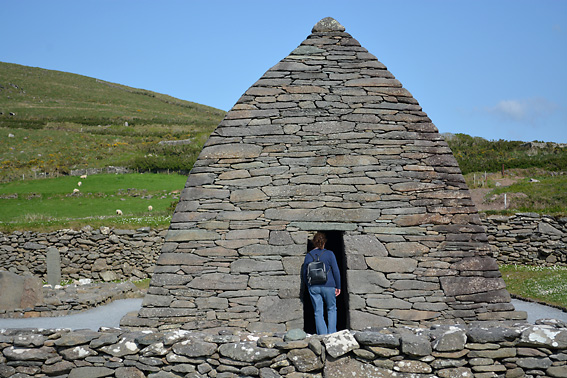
327	139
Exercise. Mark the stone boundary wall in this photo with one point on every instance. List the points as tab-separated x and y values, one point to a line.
442	351
527	239
108	254
103	254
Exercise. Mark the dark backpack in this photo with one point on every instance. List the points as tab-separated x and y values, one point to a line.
316	272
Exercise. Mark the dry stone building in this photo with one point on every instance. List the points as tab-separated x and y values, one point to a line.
326	140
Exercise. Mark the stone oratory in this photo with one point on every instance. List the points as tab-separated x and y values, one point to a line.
326	140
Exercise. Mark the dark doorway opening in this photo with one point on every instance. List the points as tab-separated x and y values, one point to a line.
334	243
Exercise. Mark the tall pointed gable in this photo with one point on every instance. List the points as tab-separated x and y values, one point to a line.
326	140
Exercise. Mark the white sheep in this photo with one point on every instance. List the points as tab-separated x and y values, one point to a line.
118	211
150	208
83	176
75	191
79	183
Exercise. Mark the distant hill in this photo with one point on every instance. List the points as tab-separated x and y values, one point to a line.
36	94
55	121
475	154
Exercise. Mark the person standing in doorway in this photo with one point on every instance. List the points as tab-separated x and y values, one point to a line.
324	295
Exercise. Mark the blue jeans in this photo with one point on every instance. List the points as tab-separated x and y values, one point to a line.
320	294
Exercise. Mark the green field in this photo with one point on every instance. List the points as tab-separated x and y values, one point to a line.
51	203
542	284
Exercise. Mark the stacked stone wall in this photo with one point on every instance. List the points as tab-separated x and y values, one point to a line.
442	351
522	238
102	254
528	239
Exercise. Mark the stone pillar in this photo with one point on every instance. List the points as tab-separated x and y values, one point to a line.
53	261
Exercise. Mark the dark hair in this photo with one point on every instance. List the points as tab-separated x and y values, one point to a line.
319	240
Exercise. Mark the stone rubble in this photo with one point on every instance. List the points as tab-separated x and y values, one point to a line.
439	351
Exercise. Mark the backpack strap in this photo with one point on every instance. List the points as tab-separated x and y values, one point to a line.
319	255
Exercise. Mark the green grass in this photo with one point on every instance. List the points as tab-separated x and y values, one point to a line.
50	203
542	284
65	121
548	196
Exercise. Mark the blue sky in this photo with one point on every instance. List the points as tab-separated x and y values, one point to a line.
494	69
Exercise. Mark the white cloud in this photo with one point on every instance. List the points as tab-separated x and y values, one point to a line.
531	110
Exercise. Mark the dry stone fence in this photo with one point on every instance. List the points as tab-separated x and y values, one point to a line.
326	140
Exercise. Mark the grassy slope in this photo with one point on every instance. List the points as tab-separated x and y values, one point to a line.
65	121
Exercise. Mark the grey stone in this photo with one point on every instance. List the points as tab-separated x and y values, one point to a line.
246	352
125	346
451	340
57	368
366	245
304	360
557	371
328	24
28	354
365	281
128	372
340	343
377	339
295	334
459	372
76	353
492	334
90	372
254	265
350	367
416	346
194	348
19	292
360	320
534	363
391	264
53	264
76	338
544	336
219	281
470	285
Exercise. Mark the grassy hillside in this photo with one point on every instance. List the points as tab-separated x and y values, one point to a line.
475	154
54	121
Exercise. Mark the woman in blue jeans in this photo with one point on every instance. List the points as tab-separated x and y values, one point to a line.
324	295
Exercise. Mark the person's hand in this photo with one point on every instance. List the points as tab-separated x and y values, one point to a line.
337	292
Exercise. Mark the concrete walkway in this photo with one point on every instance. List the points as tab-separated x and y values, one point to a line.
109	316
104	316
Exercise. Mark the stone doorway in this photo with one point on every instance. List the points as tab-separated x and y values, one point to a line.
335	243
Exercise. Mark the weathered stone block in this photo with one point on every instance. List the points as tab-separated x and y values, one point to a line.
360	320
406	249
366	245
470	285
366	281
219	281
